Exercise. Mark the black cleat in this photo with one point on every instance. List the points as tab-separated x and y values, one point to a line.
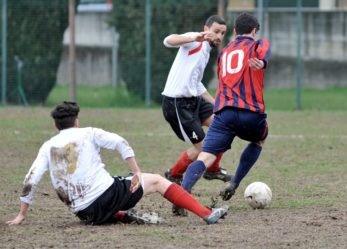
219	175
178	211
228	191
176	180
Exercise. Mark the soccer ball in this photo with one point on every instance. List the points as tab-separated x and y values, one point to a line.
258	195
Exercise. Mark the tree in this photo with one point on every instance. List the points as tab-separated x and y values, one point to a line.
168	16
35	33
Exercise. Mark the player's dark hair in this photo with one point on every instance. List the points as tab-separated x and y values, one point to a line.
245	23
65	114
213	19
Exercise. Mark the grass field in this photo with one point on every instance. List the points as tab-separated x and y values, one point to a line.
330	99
304	162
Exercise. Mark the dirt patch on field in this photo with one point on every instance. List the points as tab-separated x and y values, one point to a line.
51	226
305	170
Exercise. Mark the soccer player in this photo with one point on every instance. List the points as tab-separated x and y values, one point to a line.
80	180
239	108
187	105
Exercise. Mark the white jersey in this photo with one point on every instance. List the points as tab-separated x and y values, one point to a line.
187	70
74	163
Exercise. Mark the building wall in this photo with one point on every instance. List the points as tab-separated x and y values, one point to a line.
323	47
95	41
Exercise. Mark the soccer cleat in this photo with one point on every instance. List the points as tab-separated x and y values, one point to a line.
216	214
171	178
134	217
219	175
228	191
178	211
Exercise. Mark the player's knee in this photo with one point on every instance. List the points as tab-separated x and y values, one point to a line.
259	143
193	152
157	177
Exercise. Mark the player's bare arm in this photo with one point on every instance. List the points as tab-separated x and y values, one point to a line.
135	182
207	96
180	39
21	215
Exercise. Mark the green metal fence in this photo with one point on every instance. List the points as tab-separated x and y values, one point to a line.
308	42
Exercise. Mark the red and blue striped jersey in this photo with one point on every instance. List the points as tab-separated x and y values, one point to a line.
239	85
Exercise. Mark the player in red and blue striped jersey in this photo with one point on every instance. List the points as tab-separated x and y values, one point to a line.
239	105
240	86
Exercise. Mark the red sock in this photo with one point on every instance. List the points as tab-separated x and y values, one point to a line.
178	196
215	167
119	215
181	166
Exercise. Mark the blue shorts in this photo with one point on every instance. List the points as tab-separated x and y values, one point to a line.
231	122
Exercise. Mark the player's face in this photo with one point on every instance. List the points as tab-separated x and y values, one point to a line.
219	31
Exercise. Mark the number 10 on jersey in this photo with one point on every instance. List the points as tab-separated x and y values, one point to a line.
227	59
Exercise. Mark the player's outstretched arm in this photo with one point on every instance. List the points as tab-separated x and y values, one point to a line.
21	215
176	40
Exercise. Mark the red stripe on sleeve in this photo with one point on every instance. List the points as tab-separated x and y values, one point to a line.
195	50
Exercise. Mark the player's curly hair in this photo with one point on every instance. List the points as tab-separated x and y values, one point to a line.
245	23
65	114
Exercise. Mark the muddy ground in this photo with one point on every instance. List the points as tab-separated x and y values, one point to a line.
304	162
52	226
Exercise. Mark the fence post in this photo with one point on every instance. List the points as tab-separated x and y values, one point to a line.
72	50
298	53
4	53
148	53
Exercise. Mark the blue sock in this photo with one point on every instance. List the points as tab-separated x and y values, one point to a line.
193	174
248	158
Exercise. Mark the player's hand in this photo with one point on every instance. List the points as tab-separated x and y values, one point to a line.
207	36
135	182
256	64
200	37
16	221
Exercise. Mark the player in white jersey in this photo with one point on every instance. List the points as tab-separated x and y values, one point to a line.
187	105
80	180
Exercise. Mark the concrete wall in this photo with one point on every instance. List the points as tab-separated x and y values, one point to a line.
95	41
323	47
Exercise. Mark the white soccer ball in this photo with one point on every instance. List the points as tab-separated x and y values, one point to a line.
258	195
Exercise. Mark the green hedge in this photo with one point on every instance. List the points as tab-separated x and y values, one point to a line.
168	17
35	34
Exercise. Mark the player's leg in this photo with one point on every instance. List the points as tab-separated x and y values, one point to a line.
256	130
182	167
175	173
214	172
196	169
217	140
182	117
248	158
178	196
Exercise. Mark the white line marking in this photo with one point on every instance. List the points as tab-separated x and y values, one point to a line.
272	136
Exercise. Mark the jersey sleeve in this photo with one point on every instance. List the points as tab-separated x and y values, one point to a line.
167	44
263	50
33	177
189	45
112	141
